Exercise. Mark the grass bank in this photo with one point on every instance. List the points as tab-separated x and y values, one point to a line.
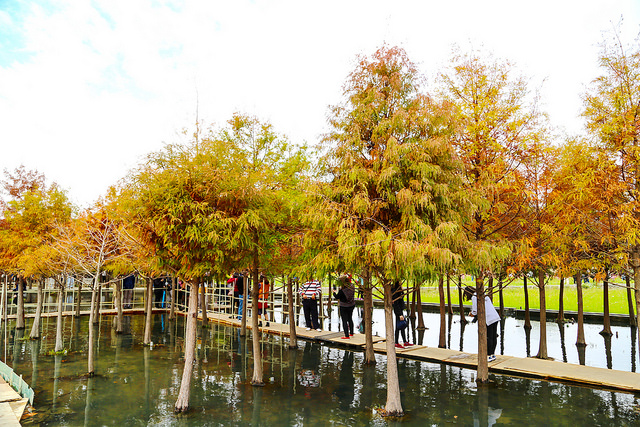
592	294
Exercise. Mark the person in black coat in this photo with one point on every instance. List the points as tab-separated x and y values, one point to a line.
346	303
398	310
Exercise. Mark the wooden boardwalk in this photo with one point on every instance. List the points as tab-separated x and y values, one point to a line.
547	370
11	405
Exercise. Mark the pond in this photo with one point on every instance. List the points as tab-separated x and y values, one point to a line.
312	385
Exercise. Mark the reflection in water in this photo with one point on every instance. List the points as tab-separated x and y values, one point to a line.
527	334
308	375
607	349
634	336
487	412
502	323
582	353
449	325
139	386
562	342
420	340
346	382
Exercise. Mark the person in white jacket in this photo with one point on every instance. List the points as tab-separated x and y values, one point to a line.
492	319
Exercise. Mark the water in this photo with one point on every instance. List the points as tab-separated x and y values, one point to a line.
616	352
313	385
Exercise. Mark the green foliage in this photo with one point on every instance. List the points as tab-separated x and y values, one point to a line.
390	199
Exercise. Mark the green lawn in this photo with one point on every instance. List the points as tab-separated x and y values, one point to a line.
514	296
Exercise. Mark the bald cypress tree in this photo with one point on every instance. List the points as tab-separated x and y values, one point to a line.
387	204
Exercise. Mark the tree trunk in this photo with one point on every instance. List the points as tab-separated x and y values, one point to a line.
329	302
172	311
182	403
501	295
542	349
411	301
393	406
483	365
3	303
463	319
449	306
148	302
636	282
490	289
117	298
35	327
96	318
90	362
79	298
580	341
245	309
367	295
20	313
632	316
203	304
257	379
442	342
419	309
527	315
561	302
605	297
293	336
5	312
59	341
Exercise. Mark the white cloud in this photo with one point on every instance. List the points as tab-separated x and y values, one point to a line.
105	82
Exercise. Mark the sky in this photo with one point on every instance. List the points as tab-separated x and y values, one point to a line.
89	88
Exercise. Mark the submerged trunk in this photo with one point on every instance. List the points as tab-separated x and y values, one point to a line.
293	337
527	315
449	307
542	349
580	342
393	406
483	365
605	297
636	283
367	295
500	293
148	302
463	319
203	304
117	298
256	380
442	342
172	311
419	309
561	302
35	327
59	342
96	317
182	403
632	317
79	298
4	300
90	362
245	309
490	289
20	313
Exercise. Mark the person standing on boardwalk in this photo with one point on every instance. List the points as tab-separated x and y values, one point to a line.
310	293
238	293
398	310
347	302
492	319
263	295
